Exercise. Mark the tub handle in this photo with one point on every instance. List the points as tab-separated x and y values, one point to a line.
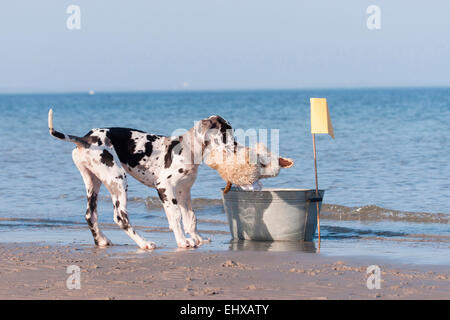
315	199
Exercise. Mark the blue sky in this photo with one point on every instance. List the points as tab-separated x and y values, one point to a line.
226	44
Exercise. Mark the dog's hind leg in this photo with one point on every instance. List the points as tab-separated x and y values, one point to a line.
107	167
104	164
92	184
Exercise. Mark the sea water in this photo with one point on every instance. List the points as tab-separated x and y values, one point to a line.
391	152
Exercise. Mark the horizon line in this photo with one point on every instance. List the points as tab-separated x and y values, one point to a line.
187	90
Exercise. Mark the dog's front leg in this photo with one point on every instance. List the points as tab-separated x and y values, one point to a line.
168	198
188	215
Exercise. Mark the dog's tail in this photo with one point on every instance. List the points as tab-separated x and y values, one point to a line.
65	137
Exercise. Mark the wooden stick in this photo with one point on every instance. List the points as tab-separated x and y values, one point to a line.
317	186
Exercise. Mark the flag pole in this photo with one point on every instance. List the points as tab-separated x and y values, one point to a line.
320	123
317	187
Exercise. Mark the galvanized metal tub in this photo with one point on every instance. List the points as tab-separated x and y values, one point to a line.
272	214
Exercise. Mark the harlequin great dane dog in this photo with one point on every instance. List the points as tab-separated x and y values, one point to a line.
169	164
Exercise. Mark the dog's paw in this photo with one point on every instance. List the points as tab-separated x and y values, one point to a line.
104	242
199	240
148	245
187	243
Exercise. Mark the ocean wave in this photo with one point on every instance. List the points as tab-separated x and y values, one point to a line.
337	232
328	211
415	238
153	203
375	213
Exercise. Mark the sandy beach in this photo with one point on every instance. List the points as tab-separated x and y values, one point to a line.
29	271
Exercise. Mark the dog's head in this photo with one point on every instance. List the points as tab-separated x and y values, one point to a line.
268	163
215	132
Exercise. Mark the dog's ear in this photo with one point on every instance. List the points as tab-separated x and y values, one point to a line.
224	128
285	162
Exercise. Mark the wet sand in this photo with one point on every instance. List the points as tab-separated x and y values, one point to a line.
29	271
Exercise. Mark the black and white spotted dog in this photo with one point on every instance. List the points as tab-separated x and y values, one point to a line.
169	164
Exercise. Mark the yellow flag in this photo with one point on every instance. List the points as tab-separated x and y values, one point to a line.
320	117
